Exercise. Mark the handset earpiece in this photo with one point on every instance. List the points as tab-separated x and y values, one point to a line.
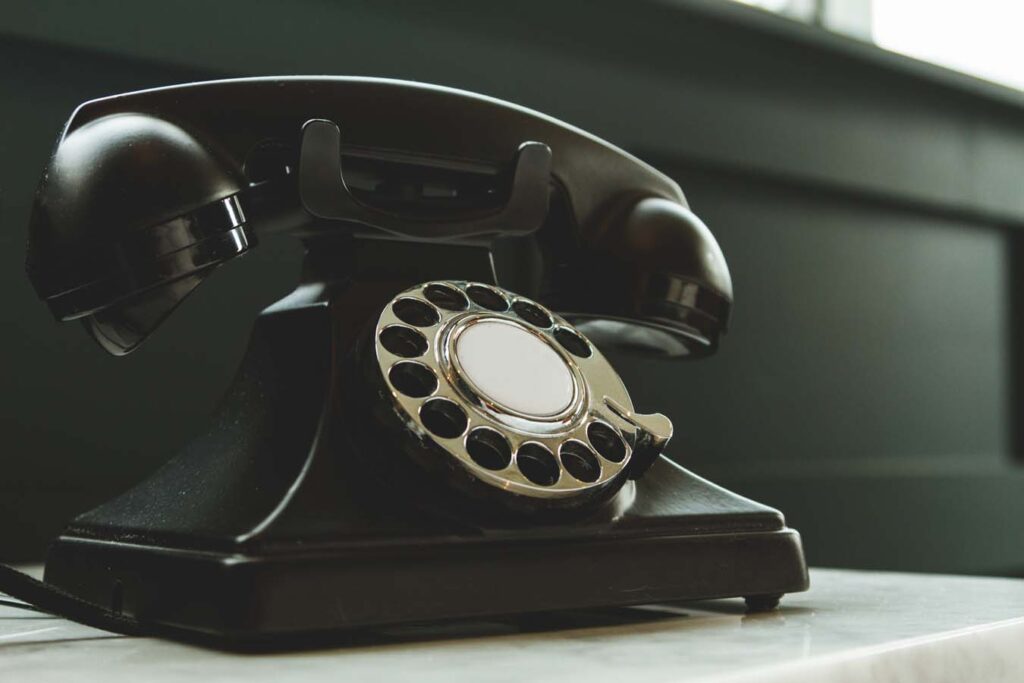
656	282
132	214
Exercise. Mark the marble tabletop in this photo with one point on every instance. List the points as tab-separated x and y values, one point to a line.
850	627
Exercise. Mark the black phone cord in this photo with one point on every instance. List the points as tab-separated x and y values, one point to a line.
43	597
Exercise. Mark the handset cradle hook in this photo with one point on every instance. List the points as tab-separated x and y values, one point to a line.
325	194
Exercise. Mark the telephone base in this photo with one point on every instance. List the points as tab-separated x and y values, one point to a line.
271	530
302	591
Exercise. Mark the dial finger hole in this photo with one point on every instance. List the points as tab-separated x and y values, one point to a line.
487	298
580	461
573	342
415	312
448	298
443	418
488	448
412	379
537	464
403	341
532	313
606	441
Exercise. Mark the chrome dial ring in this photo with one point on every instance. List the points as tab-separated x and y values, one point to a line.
513	394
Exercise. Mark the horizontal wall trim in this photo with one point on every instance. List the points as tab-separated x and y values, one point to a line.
817	38
807	184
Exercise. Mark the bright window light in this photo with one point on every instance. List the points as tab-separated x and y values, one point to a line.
979	37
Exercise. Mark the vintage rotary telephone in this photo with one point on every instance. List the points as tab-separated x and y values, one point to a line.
425	428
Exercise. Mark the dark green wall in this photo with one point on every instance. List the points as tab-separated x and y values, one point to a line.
867	205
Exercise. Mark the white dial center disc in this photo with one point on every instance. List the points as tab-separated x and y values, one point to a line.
514	368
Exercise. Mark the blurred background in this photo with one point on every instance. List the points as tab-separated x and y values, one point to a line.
869	201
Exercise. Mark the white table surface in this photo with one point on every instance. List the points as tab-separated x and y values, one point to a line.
850	627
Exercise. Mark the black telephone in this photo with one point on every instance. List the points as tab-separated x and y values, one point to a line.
425	428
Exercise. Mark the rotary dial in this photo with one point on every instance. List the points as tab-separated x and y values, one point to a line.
512	392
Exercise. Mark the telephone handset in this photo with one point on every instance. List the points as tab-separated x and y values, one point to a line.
426	428
147	192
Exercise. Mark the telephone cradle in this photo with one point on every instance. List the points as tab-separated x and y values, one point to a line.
427	428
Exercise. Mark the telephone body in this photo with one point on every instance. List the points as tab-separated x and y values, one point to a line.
426	427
